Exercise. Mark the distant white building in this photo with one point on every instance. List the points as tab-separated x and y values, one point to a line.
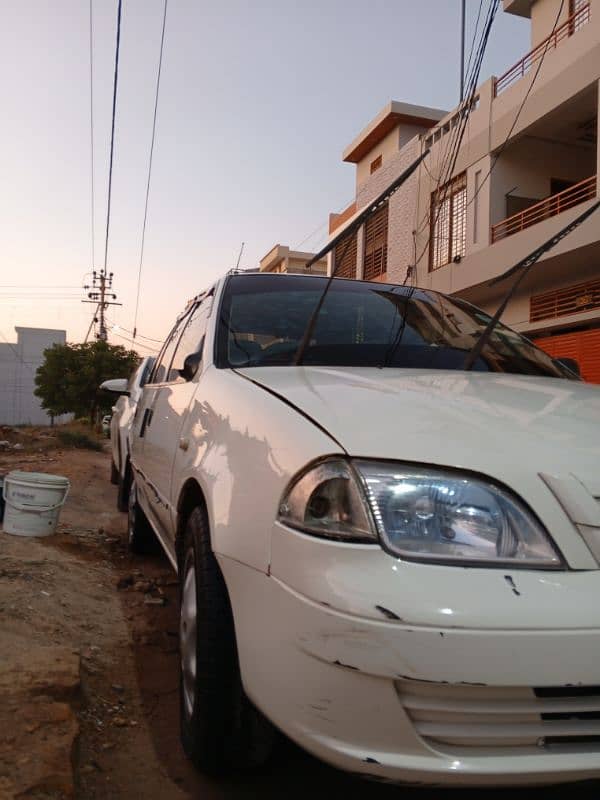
18	365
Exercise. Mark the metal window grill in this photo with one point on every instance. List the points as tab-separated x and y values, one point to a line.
345	257
448	222
376	244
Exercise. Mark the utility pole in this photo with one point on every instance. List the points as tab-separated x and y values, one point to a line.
462	50
102	296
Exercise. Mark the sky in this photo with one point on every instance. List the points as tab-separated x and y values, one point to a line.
257	101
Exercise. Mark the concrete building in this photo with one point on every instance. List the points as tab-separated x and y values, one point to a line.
18	365
527	165
281	259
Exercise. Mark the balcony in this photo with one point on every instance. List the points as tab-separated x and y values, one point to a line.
549	207
580	18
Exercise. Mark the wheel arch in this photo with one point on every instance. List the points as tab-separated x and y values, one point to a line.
190	497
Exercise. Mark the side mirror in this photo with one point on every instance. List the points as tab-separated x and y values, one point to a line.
570	363
190	366
116	386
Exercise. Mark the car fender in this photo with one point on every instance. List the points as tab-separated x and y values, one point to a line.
242	445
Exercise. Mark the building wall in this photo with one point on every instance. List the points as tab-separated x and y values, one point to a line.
388	149
18	365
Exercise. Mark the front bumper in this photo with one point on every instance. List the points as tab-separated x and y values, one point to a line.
404	691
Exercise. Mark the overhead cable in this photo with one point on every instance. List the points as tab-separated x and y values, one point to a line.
139	279
112	133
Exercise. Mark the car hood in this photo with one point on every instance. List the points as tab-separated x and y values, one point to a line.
539	436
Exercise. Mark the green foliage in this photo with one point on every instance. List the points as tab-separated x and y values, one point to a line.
78	439
68	382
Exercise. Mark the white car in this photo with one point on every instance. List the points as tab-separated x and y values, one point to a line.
120	425
106	425
392	559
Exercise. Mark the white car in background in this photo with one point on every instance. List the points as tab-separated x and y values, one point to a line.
390	557
120	425
106	419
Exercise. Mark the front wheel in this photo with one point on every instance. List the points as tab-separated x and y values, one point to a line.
220	728
125	482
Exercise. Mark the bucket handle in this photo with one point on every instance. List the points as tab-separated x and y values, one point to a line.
33	509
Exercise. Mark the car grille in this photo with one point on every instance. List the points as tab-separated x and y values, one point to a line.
470	716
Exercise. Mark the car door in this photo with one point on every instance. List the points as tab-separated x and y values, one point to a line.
143	415
166	410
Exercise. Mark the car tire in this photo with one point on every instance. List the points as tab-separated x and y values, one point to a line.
124	482
114	473
141	539
220	728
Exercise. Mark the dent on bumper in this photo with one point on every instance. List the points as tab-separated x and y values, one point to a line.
331	681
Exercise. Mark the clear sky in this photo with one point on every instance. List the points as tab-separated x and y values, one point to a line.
258	100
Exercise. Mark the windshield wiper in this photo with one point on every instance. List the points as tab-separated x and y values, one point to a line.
347	232
521	269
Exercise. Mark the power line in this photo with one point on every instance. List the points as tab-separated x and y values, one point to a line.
141	335
520	109
112	133
455	140
133	342
92	129
160	57
32	286
102	281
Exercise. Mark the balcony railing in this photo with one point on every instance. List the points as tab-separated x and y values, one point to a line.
546	208
568	28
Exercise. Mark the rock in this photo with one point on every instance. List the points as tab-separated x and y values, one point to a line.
155	601
120	722
117	688
125	582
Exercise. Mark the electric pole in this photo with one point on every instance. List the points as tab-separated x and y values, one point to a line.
102	296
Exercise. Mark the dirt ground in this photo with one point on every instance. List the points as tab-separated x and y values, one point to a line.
88	666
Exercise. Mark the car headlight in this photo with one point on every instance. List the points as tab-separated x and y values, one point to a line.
433	515
418	514
327	500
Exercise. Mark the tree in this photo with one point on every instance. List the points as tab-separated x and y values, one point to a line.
68	382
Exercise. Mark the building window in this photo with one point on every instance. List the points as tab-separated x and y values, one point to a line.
345	257
448	222
376	163
476	206
376	236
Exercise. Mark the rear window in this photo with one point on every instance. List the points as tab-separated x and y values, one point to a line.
362	324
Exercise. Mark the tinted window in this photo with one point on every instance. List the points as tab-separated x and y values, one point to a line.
142	372
192	338
161	372
263	318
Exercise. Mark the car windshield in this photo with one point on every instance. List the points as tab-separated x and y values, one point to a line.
363	324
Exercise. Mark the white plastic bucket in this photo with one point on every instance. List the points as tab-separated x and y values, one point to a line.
33	502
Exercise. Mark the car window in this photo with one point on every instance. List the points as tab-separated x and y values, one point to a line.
192	338
161	370
140	376
363	324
